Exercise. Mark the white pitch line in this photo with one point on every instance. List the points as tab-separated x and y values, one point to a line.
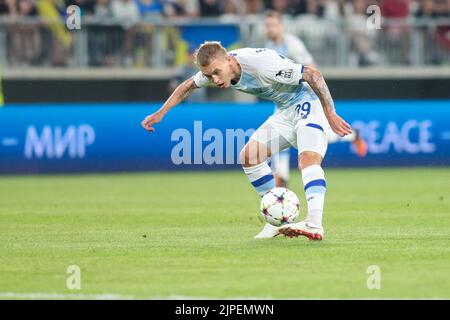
43	295
112	296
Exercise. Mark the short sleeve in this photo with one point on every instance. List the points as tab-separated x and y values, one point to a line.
282	70
200	80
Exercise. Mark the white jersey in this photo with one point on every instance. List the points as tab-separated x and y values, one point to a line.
268	75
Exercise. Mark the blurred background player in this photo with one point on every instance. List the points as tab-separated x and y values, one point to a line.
291	47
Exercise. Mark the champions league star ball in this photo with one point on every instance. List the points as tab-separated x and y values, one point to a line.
279	206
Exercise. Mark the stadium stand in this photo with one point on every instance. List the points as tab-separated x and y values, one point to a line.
133	33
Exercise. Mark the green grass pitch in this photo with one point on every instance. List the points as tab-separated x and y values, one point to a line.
169	235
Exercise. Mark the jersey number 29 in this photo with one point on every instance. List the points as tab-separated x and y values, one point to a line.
303	110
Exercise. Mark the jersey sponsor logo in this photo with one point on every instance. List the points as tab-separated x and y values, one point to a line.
287	74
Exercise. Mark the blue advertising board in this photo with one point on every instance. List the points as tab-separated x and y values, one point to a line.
108	137
194	35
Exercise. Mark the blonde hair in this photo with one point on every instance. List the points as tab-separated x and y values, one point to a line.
208	51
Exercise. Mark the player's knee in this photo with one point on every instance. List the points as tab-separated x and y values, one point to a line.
244	157
252	154
247	158
309	158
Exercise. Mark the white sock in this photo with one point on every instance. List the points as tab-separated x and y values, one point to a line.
261	177
315	187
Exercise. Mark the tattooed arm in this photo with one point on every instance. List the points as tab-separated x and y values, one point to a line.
316	81
179	94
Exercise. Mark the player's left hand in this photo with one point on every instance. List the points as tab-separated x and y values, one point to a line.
339	126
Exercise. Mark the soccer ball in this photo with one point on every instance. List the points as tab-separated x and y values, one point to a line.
279	206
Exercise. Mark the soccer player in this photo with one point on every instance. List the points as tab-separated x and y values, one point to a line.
293	48
305	113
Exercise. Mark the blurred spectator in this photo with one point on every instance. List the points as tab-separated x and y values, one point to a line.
126	12
102	10
29	34
149	8
192	8
299	7
279	5
330	9
59	38
231	8
174	8
395	8
6	6
181	8
86	6
362	52
443	31
25	38
144	38
210	8
101	48
425	9
442	8
253	7
397	32
313	7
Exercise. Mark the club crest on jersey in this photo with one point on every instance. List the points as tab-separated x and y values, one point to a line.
287	74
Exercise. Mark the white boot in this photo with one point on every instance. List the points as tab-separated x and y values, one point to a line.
269	231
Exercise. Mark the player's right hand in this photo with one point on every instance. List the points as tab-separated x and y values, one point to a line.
150	120
339	125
